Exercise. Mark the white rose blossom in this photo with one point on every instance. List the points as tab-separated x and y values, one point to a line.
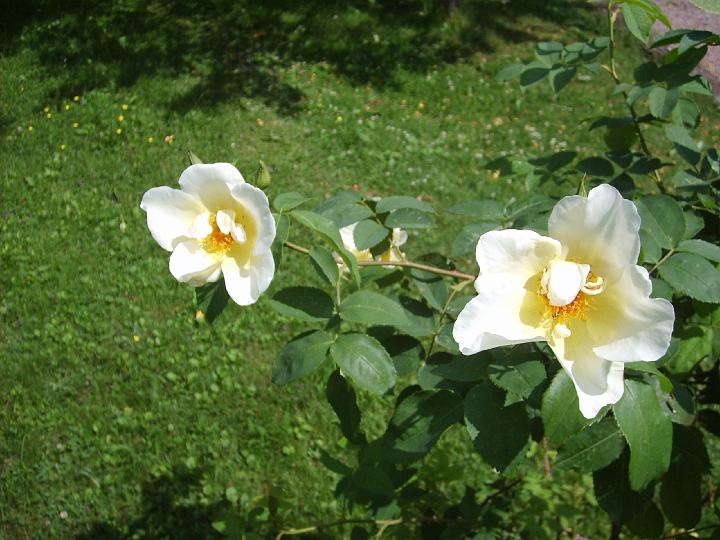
392	254
216	224
579	289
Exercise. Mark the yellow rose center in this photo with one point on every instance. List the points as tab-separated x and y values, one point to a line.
217	241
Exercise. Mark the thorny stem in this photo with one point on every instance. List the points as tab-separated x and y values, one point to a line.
612	17
408	264
456	289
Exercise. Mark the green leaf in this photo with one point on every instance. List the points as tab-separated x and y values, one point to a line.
431	286
406	352
325	264
305	303
681	490
304	354
342	197
388	204
662	101
418	422
194	160
663	219
702	248
560	409
409	218
684	144
499	433
466	241
517	372
614	495
510	72
372	308
211	299
365	361
694	223
420	318
638	20
341	396
648	431
368	233
287	201
660	289
648	522
687	113
330	232
561	77
696	343
596	166
485	210
533	73
692	275
343	215
666	384
593	448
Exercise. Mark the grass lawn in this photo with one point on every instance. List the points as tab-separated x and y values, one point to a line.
120	415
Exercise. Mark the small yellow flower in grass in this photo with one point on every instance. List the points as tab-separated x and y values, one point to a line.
118	131
339	119
30	128
76	98
215	225
421	104
124	106
136	338
120	118
151	140
62	147
49	115
75	125
260	122
46	109
199	316
169	139
579	289
67	106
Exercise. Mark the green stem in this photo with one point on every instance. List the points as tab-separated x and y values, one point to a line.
456	289
407	264
665	258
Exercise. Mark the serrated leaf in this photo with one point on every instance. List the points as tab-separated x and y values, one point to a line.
684	144
303	355
499	433
409	218
533	73
432	286
593	448
342	197
510	72
406	352
648	431
388	204
466	241
287	201
662	101
700	247
596	166
343	400
692	275
695	343
372	308
325	264
458	367
613	492
666	384
418	422
211	299
485	210
638	20
368	233
365	361
663	219
560	409
282	231
343	215
561	77
516	372
306	303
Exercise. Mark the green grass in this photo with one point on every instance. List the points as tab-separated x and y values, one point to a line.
120	415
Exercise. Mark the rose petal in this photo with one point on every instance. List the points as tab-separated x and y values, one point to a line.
626	324
189	263
211	183
245	284
515	251
254	201
601	229
503	313
170	214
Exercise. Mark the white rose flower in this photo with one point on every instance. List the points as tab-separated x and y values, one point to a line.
216	224
579	289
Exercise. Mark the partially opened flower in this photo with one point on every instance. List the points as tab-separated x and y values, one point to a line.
579	289
391	254
216	224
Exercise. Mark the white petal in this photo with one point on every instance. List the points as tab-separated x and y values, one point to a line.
626	324
255	201
347	236
211	183
225	220
598	382
170	214
246	284
399	237
515	251
601	230
201	226
189	263
563	280
503	313
238	233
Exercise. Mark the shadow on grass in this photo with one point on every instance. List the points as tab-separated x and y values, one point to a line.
164	513
235	47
